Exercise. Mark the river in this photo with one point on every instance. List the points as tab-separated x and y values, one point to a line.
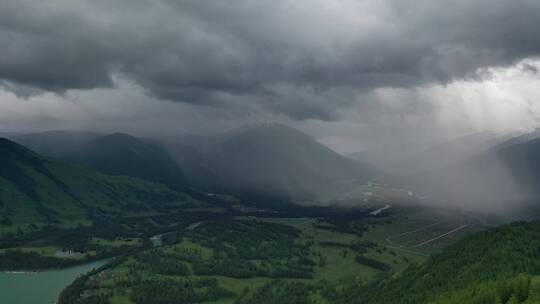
39	287
376	212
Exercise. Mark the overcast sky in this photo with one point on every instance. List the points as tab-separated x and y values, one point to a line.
352	73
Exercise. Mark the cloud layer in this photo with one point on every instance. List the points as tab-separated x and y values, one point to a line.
291	57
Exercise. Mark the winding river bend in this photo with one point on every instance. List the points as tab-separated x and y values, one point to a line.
39	287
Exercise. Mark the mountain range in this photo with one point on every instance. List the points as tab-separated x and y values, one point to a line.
276	161
270	160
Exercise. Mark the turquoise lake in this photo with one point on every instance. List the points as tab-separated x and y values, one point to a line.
39	287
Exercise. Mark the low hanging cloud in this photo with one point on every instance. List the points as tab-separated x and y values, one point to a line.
295	58
503	100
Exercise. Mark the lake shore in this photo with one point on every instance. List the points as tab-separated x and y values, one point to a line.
38	287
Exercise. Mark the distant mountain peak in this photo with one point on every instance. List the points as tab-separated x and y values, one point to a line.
119	139
272	131
119	135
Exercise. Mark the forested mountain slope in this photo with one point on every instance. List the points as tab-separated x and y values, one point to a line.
116	154
36	191
482	268
122	154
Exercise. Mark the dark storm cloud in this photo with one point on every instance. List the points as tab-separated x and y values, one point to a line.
299	58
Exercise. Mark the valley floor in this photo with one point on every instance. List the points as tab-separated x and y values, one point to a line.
244	259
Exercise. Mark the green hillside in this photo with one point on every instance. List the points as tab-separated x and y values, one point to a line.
117	154
523	289
494	266
35	191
